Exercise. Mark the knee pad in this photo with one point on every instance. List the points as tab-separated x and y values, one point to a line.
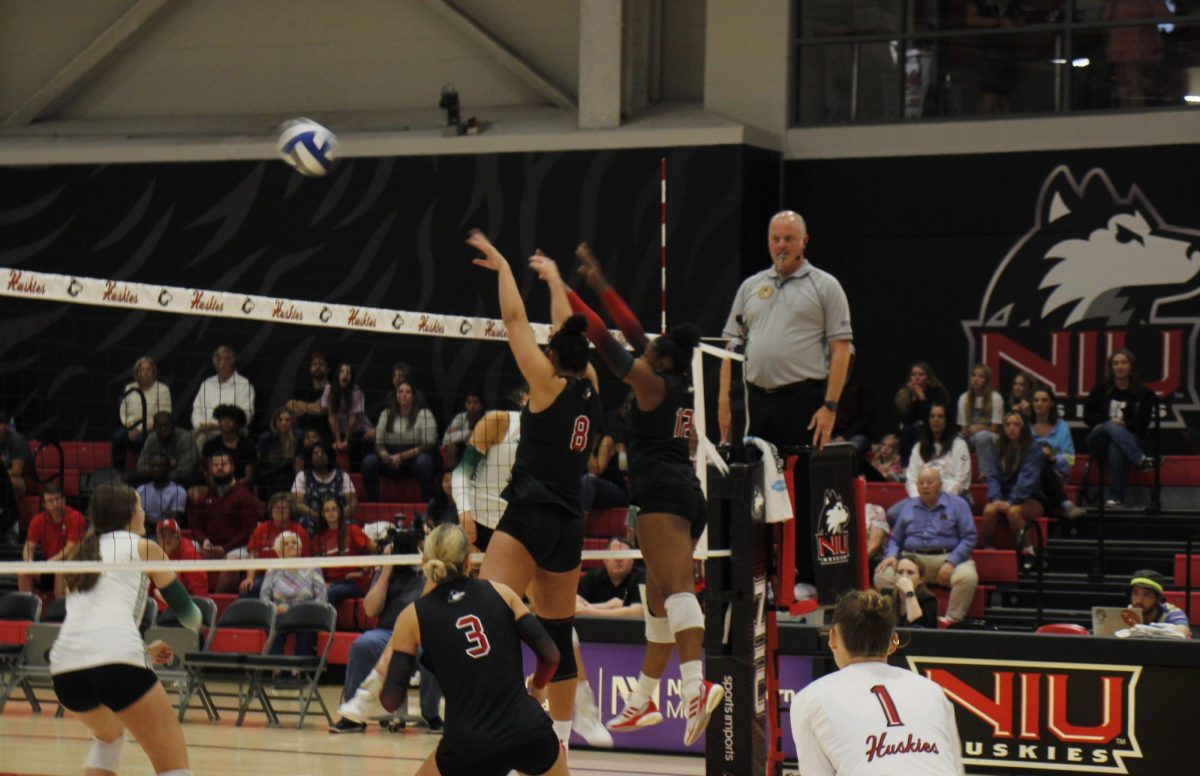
683	612
658	629
105	755
560	633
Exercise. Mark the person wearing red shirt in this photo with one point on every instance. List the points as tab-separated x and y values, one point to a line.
56	530
224	518
262	541
178	548
341	537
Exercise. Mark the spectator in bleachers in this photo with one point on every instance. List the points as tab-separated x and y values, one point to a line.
913	401
161	498
177	445
942	448
320	480
340	536
979	411
441	508
916	607
1020	395
306	407
884	459
393	588
856	410
613	589
262	541
1014	486
14	453
1146	590
940	530
603	485
231	421
280	454
345	410
136	415
405	444
179	548
56	530
224	518
1119	411
461	425
284	588
225	387
1052	435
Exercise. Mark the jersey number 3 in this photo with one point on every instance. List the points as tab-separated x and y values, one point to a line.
472	628
888	705
579	434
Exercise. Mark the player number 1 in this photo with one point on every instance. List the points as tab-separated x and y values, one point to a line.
888	706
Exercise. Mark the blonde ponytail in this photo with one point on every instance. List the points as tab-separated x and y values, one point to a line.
445	554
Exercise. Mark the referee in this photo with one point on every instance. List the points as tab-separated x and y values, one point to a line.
793	322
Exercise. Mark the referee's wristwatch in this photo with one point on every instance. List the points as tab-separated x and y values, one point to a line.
829	405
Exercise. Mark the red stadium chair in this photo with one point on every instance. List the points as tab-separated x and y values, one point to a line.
339	653
1064	629
995	565
594	544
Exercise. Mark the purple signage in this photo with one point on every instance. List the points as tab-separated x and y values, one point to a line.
612	670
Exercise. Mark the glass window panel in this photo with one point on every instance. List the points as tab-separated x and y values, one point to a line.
996	74
1135	67
821	18
1126	10
965	14
850	82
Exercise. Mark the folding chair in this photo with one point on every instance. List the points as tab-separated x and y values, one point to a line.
17	612
33	670
182	641
243	631
299	673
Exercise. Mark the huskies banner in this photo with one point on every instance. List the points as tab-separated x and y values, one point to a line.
1040	262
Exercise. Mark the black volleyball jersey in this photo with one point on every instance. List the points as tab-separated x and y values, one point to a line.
554	448
469	641
658	440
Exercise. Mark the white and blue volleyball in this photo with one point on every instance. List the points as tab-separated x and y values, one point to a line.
308	147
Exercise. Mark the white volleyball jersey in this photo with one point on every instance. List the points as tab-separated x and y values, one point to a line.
493	473
101	626
871	719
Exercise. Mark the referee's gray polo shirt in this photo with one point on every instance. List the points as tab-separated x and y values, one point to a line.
787	323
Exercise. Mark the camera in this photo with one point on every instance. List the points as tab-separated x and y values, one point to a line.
403	541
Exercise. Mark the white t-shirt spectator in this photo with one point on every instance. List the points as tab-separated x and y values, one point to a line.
976	411
158	399
236	390
872	719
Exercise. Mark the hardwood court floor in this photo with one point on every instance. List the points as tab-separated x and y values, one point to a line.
40	745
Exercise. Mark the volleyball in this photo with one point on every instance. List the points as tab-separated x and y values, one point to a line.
308	147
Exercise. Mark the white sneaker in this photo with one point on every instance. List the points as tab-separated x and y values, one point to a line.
636	717
586	721
365	705
700	709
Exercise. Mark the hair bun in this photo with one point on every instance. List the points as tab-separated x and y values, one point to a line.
576	324
685	336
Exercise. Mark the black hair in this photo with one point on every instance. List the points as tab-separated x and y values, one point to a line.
340	399
570	344
329	455
231	411
678	343
946	440
1052	417
1135	378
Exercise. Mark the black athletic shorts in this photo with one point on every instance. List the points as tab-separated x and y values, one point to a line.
483	535
115	685
552	535
686	501
535	757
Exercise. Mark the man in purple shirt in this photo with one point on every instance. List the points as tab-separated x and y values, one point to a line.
939	528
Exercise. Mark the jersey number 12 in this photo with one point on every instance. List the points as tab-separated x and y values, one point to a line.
472	628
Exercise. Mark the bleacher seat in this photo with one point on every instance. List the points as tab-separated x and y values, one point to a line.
1175	471
606	523
976	609
1181	570
1063	629
1177	597
995	565
339	653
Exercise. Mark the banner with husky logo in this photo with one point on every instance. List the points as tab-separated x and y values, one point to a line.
1043	262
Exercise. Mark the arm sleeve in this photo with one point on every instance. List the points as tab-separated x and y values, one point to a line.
395	686
619	360
914	470
1140	423
837	312
426	428
734	330
961	417
127	409
895	543
268	583
1029	478
929	609
533	634
1095	409
624	318
176	596
956	472
967	535
1064	448
462	481
199	407
997	408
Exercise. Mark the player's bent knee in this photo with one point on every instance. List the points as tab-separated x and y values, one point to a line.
684	613
658	629
560	634
105	755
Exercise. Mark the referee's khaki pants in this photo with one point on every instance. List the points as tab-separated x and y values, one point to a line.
963	582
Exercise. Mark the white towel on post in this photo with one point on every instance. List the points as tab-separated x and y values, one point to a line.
777	499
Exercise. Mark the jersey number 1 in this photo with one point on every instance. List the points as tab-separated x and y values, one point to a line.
579	434
888	706
472	628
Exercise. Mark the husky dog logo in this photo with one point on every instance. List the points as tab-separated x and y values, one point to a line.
834	513
1095	269
833	526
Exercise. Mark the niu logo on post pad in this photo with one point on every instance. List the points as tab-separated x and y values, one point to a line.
1040	716
1096	272
833	539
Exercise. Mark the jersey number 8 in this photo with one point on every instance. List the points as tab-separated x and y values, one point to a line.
579	434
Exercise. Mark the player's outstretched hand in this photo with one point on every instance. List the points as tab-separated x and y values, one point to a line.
491	258
545	267
589	267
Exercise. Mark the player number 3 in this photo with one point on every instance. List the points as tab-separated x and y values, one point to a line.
472	628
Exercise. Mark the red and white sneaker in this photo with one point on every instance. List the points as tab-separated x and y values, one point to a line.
700	708
635	718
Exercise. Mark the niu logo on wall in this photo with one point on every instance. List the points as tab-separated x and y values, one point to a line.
1050	717
1097	271
833	526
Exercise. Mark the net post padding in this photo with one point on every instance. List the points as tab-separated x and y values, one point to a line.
735	635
